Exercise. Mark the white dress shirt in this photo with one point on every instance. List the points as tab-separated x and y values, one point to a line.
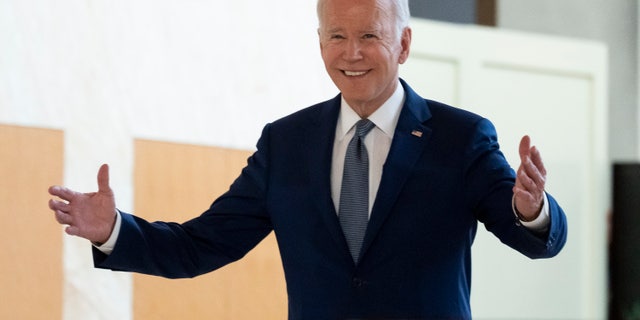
377	142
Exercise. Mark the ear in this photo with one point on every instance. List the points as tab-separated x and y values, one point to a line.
405	43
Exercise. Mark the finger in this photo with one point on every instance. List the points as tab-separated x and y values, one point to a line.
524	195
536	158
103	178
524	148
520	168
526	183
53	190
531	162
533	184
534	169
72	230
52	204
62	193
59	205
534	174
62	217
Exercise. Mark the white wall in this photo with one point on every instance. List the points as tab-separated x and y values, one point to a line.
214	72
614	22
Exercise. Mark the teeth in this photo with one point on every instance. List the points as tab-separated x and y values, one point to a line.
354	73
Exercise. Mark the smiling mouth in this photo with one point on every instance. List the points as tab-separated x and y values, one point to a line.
353	73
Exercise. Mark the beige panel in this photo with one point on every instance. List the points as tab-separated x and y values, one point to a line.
31	256
175	182
434	77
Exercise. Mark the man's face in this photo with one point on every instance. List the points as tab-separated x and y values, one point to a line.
361	50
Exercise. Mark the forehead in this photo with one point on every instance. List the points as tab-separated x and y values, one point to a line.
361	13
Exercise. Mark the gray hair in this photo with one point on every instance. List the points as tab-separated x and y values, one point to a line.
401	8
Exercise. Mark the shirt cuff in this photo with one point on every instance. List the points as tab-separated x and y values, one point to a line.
108	246
542	222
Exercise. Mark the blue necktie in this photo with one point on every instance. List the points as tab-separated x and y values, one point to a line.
354	195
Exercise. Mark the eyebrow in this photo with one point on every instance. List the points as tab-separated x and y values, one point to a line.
367	30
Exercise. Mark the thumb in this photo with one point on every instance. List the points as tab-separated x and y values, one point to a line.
525	146
103	178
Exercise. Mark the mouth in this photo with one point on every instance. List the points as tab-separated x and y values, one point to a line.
349	73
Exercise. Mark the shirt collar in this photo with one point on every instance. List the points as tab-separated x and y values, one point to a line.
385	118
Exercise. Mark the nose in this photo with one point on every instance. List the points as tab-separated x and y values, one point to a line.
353	50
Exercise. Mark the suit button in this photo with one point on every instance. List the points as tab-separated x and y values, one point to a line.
357	283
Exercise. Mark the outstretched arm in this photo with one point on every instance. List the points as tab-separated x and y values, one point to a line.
530	180
87	215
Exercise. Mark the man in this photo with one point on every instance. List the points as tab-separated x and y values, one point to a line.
431	172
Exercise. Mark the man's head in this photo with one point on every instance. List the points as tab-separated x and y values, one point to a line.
363	42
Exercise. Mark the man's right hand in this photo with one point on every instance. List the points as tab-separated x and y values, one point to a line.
87	215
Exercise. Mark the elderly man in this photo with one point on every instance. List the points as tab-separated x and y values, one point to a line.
374	195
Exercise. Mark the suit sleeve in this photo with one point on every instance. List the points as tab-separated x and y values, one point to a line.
489	185
234	224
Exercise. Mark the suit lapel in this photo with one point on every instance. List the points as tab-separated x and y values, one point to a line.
321	158
409	141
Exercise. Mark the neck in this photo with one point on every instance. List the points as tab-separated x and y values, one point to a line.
363	110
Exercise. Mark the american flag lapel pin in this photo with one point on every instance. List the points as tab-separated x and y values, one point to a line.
417	133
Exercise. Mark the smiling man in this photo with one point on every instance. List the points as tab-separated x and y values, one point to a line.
362	45
374	196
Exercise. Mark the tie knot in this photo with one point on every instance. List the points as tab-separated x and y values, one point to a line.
363	127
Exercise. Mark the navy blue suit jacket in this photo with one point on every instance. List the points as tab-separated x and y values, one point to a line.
416	257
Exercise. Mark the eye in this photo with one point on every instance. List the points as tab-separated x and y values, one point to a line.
369	36
336	36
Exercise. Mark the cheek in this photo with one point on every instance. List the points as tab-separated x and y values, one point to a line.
329	53
325	54
393	52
